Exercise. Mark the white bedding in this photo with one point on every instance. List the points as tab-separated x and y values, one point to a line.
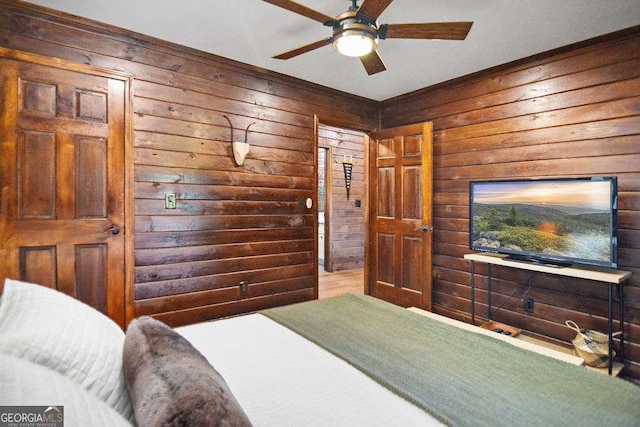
51	329
281	379
26	383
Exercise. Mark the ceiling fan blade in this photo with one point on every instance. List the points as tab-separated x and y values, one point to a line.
301	10
373	63
433	30
304	49
374	8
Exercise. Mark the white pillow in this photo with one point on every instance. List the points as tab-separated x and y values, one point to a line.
54	330
23	383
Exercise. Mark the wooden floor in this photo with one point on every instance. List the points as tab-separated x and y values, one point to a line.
341	282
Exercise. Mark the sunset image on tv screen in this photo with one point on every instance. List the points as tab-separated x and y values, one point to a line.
554	219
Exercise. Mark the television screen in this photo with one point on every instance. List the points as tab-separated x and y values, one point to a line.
556	221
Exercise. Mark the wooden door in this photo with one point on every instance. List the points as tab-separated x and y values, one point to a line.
400	215
62	181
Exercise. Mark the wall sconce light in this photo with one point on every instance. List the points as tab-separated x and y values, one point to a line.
240	149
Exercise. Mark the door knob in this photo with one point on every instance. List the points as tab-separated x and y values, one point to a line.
424	228
114	229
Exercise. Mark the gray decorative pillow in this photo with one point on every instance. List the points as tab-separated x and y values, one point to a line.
170	383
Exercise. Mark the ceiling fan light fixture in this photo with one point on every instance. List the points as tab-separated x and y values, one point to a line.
354	38
354	43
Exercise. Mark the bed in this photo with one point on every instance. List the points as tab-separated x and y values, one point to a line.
349	360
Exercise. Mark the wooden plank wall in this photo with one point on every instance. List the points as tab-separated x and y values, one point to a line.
233	226
575	112
346	226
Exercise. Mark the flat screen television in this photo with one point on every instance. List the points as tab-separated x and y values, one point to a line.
560	221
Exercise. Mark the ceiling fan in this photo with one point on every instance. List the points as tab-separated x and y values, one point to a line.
356	32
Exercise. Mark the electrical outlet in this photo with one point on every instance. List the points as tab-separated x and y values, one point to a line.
527	305
170	201
244	288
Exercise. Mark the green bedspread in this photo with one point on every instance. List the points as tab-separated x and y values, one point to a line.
461	378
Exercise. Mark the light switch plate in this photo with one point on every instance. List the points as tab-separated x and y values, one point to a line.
169	201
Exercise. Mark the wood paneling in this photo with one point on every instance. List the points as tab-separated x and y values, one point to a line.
37	175
574	112
91	270
238	233
91	177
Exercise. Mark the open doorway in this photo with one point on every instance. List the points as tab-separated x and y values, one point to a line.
341	209
323	155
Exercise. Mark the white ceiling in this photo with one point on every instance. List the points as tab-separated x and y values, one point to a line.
251	31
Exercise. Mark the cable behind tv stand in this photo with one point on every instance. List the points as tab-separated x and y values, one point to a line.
609	276
534	260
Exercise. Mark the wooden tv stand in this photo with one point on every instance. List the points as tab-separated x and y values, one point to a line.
609	276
